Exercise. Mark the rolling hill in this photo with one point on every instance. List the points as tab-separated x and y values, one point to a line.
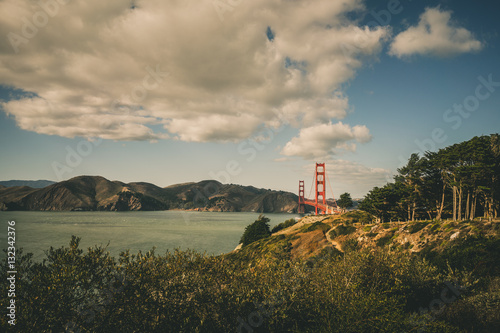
95	193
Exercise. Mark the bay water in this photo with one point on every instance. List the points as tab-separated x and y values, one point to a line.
210	232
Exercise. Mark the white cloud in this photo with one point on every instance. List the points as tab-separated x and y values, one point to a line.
214	127
353	173
91	63
322	140
435	35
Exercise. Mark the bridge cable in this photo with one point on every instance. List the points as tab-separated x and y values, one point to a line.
329	184
312	184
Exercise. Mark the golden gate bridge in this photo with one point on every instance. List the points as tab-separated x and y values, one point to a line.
320	203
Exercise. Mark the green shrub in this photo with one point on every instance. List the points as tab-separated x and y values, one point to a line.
358	216
478	253
342	230
448	226
255	231
475	230
435	228
350	245
478	313
384	240
367	228
370	290
283	225
315	226
416	226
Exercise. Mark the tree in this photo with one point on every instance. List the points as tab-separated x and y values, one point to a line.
411	175
345	201
255	231
382	202
434	183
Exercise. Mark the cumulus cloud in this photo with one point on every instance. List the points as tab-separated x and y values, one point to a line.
186	70
355	173
435	35
322	140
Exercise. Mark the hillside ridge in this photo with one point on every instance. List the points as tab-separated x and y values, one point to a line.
313	236
96	193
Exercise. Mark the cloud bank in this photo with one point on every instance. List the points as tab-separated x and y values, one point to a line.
435	35
185	70
323	140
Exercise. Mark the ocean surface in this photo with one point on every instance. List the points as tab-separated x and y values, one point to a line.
210	232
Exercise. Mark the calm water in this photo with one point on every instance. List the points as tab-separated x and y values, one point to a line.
214	233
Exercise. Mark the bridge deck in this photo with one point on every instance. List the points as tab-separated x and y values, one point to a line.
325	208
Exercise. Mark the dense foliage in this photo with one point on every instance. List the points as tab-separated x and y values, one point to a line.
356	216
358	291
345	201
283	225
460	182
255	231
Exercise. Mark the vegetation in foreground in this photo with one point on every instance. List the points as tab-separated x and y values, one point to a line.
262	288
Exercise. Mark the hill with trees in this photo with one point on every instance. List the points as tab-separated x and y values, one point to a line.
460	182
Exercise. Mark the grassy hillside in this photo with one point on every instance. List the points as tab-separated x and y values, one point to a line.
356	230
321	274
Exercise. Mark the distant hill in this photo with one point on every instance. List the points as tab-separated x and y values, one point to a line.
30	183
95	193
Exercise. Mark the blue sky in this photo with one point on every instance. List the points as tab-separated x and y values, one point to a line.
169	93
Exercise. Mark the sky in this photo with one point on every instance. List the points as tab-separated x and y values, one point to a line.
244	92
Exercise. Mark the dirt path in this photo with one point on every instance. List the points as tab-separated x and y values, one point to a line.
333	242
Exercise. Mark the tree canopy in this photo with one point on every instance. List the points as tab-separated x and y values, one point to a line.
460	182
345	201
255	231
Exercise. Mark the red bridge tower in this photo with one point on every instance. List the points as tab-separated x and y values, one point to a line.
320	185
319	203
301	209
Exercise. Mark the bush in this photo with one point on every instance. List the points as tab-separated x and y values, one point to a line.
477	253
370	290
350	245
367	228
477	313
255	231
417	226
384	240
358	216
342	230
283	225
435	228
315	226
